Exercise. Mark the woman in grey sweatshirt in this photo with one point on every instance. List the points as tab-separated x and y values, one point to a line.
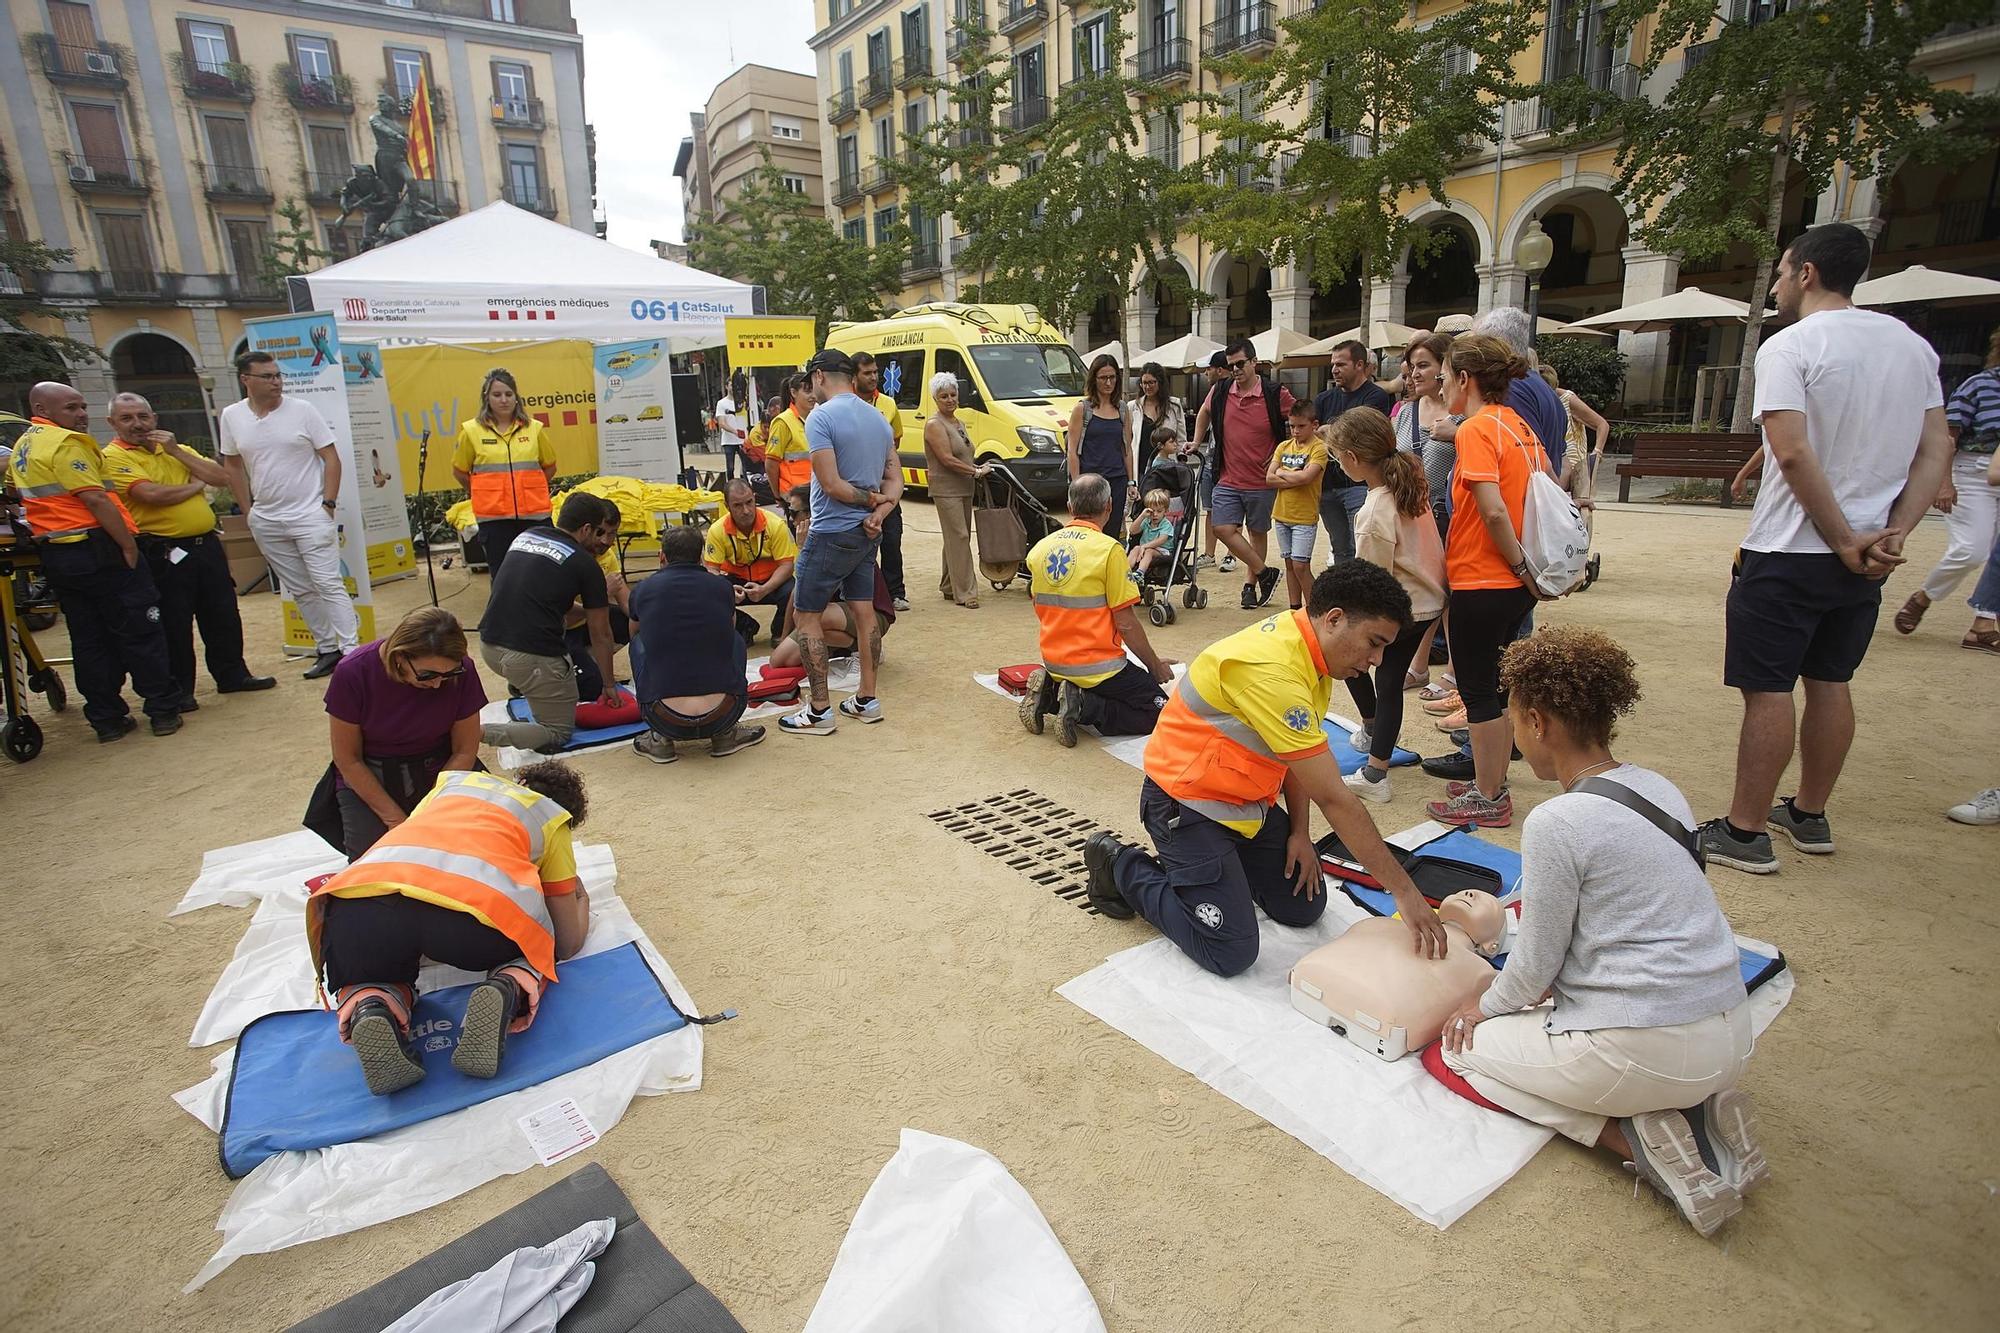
1620	1019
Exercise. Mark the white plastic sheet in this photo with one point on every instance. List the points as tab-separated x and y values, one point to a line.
947	1239
296	1197
1390	1125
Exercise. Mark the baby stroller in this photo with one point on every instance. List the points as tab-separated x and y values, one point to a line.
1156	588
1007	520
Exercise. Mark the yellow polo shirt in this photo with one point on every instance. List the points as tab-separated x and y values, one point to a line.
1299	505
51	467
127	463
886	405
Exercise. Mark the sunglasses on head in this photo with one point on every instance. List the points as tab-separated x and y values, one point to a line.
427	675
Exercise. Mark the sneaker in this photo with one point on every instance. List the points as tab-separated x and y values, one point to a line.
1037	701
1722	848
1441	705
166	724
482	1033
1360	739
806	722
1457	764
116	731
901	603
1267	583
385	1061
1810	834
1981	809
1204	562
655	747
1069	715
1369	783
861	712
742	738
1732	1135
1463	737
1100	854
1228	564
1471	809
1249	597
1664	1155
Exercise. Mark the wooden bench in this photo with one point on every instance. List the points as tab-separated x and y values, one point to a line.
1709	454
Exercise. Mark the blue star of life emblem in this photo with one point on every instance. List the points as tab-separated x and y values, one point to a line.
1298	719
1059	562
892	378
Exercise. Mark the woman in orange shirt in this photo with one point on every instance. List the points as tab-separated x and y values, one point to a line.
1491	588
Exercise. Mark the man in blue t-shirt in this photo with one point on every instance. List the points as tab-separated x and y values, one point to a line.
1530	395
857	480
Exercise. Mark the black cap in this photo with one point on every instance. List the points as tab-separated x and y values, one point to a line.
833	361
1220	361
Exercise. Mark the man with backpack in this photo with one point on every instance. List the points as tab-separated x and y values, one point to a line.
1247	413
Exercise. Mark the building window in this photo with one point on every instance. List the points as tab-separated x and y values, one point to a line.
846	67
229	145
406	67
332	158
795	184
848	154
1166	22
855	229
208	44
127	252
249	242
500	11
524	174
1091	56
343	242
787	127
1163	138
510	84
878	54
312	59
744	124
885	139
885	222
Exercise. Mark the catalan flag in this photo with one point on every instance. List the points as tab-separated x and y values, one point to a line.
423	133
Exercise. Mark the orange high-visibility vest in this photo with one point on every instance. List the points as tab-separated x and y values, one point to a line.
1078	576
472	845
507	476
794	457
46	458
756	544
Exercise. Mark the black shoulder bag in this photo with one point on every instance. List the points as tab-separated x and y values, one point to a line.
1687	839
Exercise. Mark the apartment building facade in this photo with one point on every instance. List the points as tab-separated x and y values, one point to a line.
1525	175
159	142
756	110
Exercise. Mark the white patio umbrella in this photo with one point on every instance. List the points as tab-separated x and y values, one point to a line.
1689	305
1113	349
1182	353
1555	328
1277	344
1917	283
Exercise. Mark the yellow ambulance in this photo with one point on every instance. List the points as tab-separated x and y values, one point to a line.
1017	381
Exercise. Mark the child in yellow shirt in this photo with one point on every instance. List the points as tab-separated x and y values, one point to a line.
1296	467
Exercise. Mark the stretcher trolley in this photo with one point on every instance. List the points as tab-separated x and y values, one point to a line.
26	668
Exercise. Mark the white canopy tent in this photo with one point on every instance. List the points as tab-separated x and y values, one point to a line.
501	272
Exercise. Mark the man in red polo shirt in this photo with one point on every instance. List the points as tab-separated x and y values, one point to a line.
1248	413
756	555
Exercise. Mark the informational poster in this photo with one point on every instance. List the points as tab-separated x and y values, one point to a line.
307	351
379	466
435	386
635	411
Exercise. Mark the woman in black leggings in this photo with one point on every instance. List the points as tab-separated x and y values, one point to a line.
1491	587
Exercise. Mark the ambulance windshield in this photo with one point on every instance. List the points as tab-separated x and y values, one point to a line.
1014	371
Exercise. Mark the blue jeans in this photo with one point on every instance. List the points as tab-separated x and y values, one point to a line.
732	461
1985	600
1337	507
834	565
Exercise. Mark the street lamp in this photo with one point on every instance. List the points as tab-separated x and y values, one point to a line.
1532	254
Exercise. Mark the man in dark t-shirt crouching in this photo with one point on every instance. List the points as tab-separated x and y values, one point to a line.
687	658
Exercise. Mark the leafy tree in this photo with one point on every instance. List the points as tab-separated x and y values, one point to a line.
1353	110
26	355
784	243
292	249
1591	368
1794	88
1059	212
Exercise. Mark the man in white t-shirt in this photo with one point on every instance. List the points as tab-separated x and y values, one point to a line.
729	421
1856	446
284	466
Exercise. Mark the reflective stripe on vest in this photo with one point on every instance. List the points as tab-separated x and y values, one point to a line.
534	817
53	512
509	487
762	564
1213	762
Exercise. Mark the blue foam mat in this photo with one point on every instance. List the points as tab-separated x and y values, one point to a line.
1351	759
1460	845
518	710
296	1085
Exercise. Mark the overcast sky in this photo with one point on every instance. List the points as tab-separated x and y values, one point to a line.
649	64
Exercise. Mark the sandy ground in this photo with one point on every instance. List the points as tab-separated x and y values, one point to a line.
889	975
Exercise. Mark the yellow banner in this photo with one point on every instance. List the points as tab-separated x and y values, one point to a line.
436	385
769	340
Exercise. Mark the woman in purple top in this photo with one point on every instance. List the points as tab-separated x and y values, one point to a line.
403	709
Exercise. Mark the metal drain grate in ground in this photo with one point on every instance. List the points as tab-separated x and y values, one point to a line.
1031	834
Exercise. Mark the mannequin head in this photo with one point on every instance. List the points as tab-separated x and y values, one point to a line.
1479	915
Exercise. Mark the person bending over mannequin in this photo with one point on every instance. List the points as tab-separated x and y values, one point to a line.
1641	1045
481	876
687	658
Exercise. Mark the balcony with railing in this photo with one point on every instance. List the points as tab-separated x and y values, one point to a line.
518	113
1169	62
228	82
98	64
914	67
253	289
227	182
135	284
405	102
1020	15
847	188
1026	113
443	196
1250	27
968	135
875	87
841	107
956	247
323	187
536	199
923	261
877	180
1534	117
1695	54
93	173
960	44
309	92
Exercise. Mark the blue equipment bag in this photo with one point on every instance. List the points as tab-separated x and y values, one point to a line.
296	1085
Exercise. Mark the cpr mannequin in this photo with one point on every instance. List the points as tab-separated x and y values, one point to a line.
1370	987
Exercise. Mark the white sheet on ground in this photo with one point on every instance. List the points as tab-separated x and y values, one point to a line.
1390	1125
1125	749
946	1238
529	1291
295	1197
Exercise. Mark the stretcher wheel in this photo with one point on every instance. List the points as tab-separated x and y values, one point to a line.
1159	613
49	685
21	738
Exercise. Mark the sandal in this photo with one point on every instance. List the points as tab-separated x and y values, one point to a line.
1912	615
1443	688
1415	681
1981	640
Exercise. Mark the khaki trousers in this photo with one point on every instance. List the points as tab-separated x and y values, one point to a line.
1574	1081
549	686
954	513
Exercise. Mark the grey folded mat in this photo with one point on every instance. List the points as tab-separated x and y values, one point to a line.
639	1288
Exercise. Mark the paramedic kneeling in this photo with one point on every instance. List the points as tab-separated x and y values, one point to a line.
1084	594
1242	726
481	876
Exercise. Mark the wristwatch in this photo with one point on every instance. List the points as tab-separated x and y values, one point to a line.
329	505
